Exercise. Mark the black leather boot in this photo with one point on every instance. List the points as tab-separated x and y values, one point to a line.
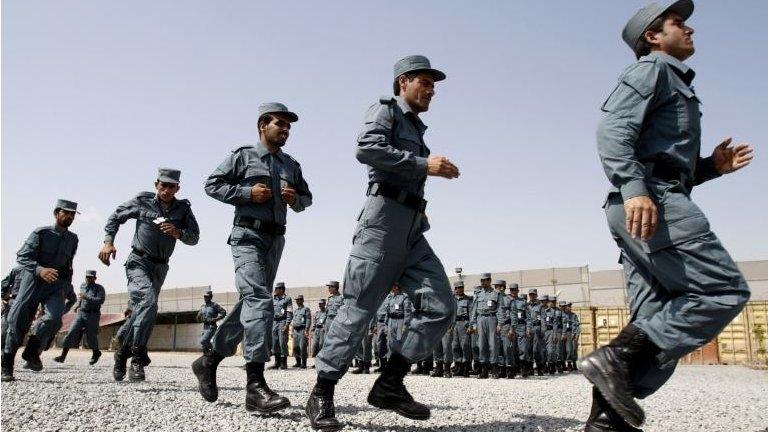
603	418
320	409
138	362
277	364
6	374
389	392
438	372
122	354
448	370
383	362
609	368
296	362
303	363
476	368
258	396
367	368
94	357
63	357
284	363
358	370
483	371
31	354
204	368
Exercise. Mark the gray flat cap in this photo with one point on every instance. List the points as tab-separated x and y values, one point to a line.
322	301
514	286
500	282
562	303
458	284
414	63
208	293
90	273
533	291
485	276
277	108
280	285
66	205
300	297
168	175
636	26
545	298
333	284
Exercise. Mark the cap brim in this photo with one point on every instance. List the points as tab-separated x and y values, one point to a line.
292	116
167	180
684	8
67	209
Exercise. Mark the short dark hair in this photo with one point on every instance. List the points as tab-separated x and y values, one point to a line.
643	47
264	120
396	85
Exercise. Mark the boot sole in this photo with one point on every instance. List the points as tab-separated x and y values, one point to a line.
594	376
255	410
385	406
200	386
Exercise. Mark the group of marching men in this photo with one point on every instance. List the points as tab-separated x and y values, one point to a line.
497	333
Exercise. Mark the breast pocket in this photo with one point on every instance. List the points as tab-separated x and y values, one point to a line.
688	109
407	140
256	174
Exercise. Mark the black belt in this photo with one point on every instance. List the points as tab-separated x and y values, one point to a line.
279	319
318	326
398	194
397	316
299	327
259	225
141	253
663	171
549	327
462	319
508	322
488	314
536	322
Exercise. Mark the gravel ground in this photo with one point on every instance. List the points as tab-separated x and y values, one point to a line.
75	396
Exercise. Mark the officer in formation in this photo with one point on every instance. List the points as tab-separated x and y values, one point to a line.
521	326
91	297
46	258
571	331
283	315
505	365
486	316
475	370
537	353
335	300
161	220
461	343
261	181
389	247
649	142
209	314
381	340
399	313
300	325
318	328
552	317
10	289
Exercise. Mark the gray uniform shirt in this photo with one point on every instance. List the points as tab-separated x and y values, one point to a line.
534	313
48	248
148	238
487	304
231	183
652	118
518	312
463	307
283	308
302	318
93	297
391	144
210	312
319	320
12	282
332	305
399	306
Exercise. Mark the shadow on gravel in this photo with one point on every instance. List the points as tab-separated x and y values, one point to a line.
527	423
354	409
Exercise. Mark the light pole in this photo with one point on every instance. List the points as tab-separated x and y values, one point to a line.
458	272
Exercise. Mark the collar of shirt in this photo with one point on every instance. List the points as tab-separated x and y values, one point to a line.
262	151
681	69
408	113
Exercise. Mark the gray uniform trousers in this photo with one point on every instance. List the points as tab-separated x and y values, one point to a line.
4	328
299	344
682	295
256	257
443	351
145	278
318	336
206	335
507	348
395	335
280	337
462	342
487	338
388	247
521	344
550	338
365	350
85	323
475	347
32	293
537	347
568	345
380	344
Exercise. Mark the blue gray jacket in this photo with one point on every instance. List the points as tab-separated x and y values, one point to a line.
283	308
487	303
48	248
148	238
210	312
381	312
391	143
398	307
518	312
464	307
535	311
320	317
302	318
652	119
12	282
93	297
333	304
248	165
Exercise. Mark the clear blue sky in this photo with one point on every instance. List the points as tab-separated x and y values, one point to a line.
97	95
